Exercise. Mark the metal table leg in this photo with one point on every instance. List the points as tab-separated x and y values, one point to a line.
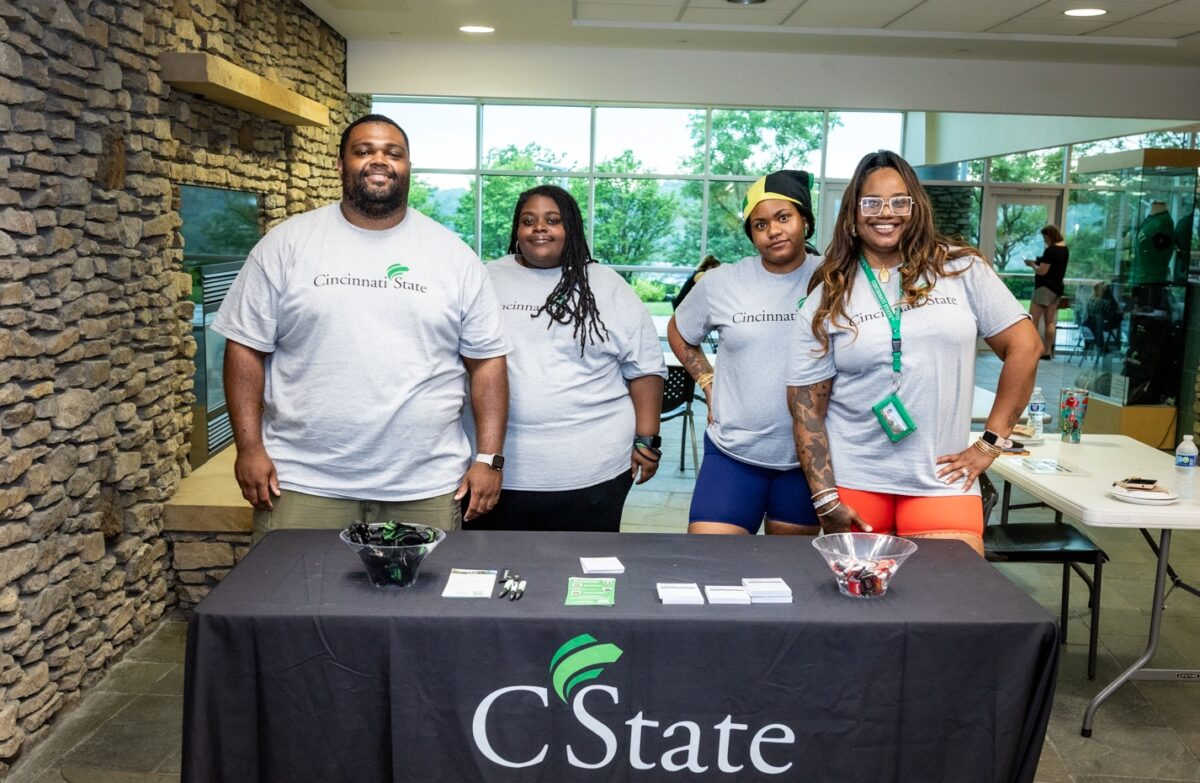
1137	670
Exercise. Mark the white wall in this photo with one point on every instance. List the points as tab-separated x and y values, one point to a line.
786	80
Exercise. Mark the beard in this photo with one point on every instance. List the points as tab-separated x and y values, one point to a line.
374	202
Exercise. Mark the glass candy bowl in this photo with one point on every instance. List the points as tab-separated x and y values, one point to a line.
392	551
863	563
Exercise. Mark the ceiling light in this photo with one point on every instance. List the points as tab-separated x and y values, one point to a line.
745	2
477	28
1086	12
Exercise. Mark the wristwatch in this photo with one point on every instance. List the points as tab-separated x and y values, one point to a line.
652	441
992	439
493	461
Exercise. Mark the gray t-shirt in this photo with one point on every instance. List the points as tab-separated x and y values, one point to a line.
365	331
937	378
570	417
754	312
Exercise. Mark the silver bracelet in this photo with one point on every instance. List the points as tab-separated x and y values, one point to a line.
824	492
829	510
826	501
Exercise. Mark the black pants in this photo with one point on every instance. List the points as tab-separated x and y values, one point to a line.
595	509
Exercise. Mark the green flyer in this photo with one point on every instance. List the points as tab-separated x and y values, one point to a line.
582	591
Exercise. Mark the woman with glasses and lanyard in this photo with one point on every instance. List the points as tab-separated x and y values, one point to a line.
750	469
882	368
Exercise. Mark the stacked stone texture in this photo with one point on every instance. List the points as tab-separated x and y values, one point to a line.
955	210
96	340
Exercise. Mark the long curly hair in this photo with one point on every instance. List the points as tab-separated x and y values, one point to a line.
923	250
571	301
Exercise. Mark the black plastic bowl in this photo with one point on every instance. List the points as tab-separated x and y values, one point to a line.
394	565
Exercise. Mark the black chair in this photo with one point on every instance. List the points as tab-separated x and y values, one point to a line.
678	394
1046	542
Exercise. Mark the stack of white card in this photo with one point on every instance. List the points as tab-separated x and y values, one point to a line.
679	593
772	590
601	565
726	594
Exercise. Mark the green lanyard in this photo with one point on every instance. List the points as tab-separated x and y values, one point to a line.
893	316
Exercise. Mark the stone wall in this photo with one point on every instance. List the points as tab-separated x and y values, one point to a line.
956	211
95	335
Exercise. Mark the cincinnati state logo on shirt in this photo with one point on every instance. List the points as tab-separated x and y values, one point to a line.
393	278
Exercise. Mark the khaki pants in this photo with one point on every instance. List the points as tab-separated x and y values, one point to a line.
298	510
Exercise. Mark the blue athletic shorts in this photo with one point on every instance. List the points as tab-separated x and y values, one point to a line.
741	494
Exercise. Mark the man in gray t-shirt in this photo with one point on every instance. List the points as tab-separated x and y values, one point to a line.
351	332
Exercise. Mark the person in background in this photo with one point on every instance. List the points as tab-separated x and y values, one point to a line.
750	470
882	366
709	262
586	373
1050	269
351	330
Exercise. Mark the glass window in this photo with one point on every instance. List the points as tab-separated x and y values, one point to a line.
854	134
645	221
753	142
1155	140
500	195
660	141
441	197
960	171
1093	234
563	136
726	236
1037	166
440	135
658	289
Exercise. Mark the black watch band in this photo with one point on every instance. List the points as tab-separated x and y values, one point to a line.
992	439
650	441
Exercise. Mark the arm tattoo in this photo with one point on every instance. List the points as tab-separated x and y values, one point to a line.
1016	415
808	405
694	361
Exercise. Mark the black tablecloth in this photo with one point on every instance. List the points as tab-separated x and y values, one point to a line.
300	670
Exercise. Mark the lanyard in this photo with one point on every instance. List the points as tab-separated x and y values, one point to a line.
893	316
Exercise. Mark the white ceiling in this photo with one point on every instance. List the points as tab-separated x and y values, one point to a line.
1141	32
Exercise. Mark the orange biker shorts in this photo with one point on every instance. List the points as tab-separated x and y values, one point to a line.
905	515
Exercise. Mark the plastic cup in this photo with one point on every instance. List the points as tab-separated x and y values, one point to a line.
1072	407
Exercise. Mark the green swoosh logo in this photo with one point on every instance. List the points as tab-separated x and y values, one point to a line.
395	270
579	660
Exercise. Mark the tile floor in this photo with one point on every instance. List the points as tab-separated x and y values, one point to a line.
128	728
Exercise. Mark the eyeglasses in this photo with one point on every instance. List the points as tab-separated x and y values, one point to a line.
872	206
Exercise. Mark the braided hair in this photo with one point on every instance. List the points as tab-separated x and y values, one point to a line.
571	301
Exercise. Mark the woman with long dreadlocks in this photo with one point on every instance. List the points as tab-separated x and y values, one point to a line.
883	365
750	471
585	376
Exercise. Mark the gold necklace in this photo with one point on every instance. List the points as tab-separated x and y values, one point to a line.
883	274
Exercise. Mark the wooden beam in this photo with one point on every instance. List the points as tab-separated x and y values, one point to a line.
230	85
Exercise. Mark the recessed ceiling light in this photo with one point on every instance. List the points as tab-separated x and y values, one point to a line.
1086	12
477	28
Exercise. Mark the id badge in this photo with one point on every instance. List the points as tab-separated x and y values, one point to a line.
894	418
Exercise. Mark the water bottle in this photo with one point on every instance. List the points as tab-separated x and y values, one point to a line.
1185	468
1037	409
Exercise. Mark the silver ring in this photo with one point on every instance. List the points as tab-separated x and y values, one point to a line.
966	472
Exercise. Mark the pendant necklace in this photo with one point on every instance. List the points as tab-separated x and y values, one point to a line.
884	274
